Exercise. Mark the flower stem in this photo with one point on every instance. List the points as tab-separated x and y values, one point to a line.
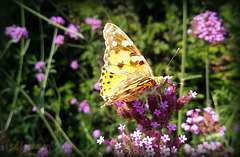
48	68
183	61
207	78
19	75
63	133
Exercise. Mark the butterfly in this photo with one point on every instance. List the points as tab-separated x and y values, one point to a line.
126	75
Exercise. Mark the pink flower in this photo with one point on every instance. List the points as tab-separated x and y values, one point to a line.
96	133
40	77
26	147
73	101
108	148
67	148
43	152
57	19
96	86
207	26
16	32
74	65
83	106
59	39
34	109
95	23
73	28
39	66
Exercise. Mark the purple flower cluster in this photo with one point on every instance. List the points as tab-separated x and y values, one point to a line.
148	139
203	124
26	147
59	39
39	66
43	152
96	133
95	23
96	86
74	65
83	106
57	19
67	148
73	101
207	26
151	144
161	107
208	149
73	28
16	32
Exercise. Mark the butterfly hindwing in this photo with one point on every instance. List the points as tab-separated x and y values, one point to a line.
108	82
121	54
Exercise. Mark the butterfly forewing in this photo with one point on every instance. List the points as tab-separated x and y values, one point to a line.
121	54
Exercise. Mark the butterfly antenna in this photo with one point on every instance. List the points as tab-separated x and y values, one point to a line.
170	61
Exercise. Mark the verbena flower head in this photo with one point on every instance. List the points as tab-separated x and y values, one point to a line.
59	39
148	139
34	109
83	106
96	86
39	66
57	19
95	23
73	28
74	65
206	124
208	27
26	147
43	152
67	148
73	101
40	77
96	133
16	32
208	149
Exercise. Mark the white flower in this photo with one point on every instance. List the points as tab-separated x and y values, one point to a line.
121	127
118	145
165	138
100	140
182	138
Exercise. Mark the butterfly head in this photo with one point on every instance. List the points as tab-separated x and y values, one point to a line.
160	80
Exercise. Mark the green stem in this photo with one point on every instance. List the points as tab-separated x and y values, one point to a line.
33	104
63	133
207	78
19	75
6	47
47	20
44	83
41	37
41	116
183	61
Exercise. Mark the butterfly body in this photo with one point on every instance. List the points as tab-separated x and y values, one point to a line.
126	75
